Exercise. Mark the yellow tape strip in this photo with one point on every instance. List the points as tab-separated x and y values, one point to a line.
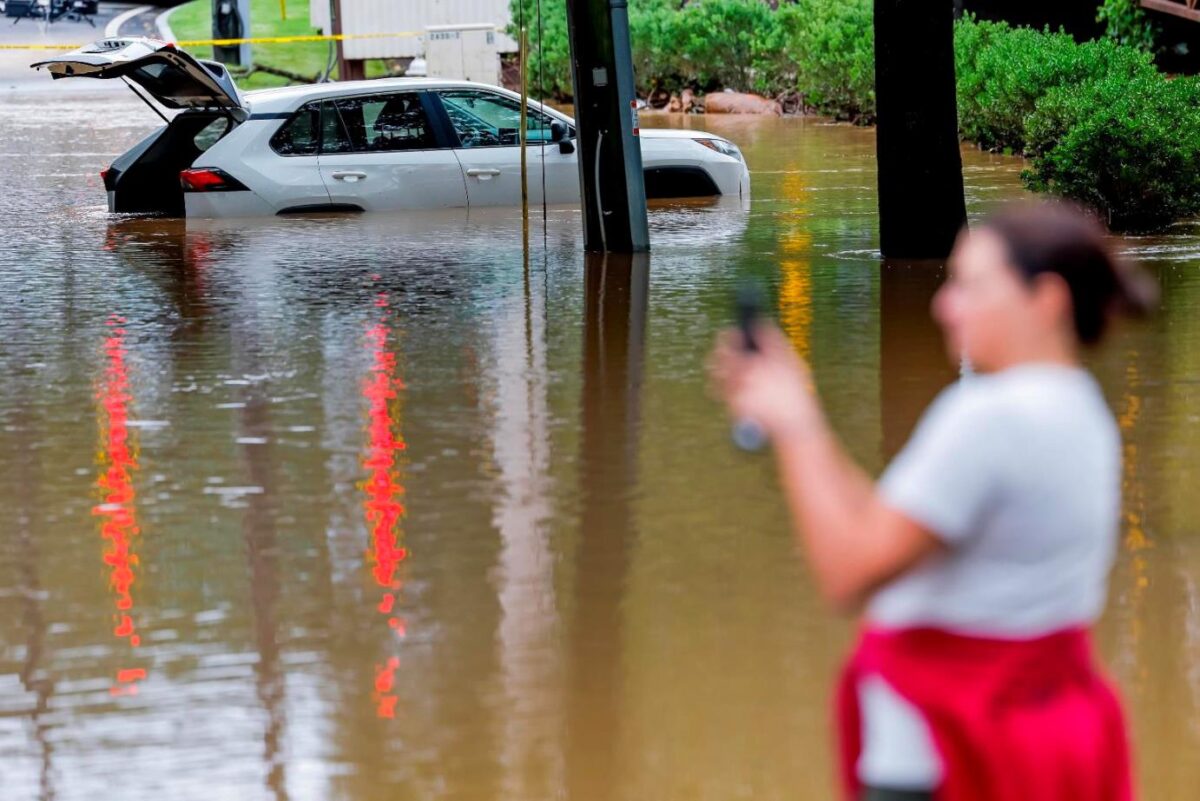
340	37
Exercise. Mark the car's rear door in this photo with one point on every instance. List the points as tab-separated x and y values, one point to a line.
386	151
488	124
287	170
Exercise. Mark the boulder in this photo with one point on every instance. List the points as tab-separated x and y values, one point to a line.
687	101
740	103
659	98
674	105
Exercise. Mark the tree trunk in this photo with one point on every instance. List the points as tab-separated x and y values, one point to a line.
921	206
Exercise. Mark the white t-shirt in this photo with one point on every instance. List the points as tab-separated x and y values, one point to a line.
1019	474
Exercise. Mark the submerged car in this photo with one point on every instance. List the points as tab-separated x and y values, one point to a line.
379	145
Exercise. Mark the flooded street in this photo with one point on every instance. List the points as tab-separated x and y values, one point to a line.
379	507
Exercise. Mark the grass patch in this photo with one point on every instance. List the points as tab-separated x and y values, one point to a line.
193	21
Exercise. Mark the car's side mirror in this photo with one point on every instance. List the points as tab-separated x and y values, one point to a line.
559	131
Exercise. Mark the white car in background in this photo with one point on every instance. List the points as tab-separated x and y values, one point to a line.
382	145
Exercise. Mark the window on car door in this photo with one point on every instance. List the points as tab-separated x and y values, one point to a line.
384	123
485	119
382	152
488	125
301	134
294	181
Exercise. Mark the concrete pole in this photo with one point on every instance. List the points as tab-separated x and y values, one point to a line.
610	156
921	207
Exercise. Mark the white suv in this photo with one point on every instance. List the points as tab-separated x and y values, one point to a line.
388	144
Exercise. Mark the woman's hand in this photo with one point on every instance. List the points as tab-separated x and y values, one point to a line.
771	387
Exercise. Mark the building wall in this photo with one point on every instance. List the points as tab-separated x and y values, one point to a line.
407	16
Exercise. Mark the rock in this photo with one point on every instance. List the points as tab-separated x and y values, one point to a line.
791	103
674	105
740	103
687	101
659	98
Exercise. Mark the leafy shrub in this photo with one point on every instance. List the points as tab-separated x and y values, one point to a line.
1128	148
549	66
822	48
1003	72
831	46
721	42
1126	22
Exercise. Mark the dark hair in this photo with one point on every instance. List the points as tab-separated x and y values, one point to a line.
1059	238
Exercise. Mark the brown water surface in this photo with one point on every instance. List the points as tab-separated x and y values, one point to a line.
375	508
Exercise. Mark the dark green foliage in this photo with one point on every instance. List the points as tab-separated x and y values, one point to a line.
1128	148
549	48
1003	72
1128	23
832	49
1100	124
820	48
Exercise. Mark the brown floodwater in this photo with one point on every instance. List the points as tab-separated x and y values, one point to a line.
373	508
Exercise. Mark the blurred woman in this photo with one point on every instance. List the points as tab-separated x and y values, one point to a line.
981	557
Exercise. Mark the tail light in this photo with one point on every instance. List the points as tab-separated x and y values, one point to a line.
109	177
209	179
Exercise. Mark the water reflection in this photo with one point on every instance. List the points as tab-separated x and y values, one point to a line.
913	363
118	510
382	509
604	601
262	559
529	663
615	297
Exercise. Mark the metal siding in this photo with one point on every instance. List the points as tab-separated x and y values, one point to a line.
411	16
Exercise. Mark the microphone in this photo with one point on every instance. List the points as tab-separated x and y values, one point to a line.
747	434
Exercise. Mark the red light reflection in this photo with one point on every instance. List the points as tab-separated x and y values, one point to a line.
382	509
118	526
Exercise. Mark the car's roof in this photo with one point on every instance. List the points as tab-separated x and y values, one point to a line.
286	98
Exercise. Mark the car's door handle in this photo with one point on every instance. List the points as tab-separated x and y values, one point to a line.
349	175
483	173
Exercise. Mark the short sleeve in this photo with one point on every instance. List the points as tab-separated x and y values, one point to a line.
948	471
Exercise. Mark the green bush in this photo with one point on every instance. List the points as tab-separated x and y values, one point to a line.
1128	23
1128	148
1003	72
821	48
549	64
1100	124
831	50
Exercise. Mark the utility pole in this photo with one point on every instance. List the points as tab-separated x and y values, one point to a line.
610	155
349	69
921	205
231	20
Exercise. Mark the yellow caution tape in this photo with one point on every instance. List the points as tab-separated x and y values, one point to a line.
316	37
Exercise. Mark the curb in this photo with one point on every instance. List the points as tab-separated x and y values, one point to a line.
163	24
113	28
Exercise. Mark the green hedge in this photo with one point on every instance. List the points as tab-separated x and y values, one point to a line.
1002	72
1098	122
740	44
1128	148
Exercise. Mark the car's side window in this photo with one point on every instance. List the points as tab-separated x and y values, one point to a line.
300	135
484	119
384	123
210	134
334	136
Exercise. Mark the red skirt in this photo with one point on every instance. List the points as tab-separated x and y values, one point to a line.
1013	720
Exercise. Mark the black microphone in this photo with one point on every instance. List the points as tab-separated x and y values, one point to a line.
748	434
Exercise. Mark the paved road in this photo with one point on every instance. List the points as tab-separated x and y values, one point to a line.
14	64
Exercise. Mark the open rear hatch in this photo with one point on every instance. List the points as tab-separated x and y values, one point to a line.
146	179
169	75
